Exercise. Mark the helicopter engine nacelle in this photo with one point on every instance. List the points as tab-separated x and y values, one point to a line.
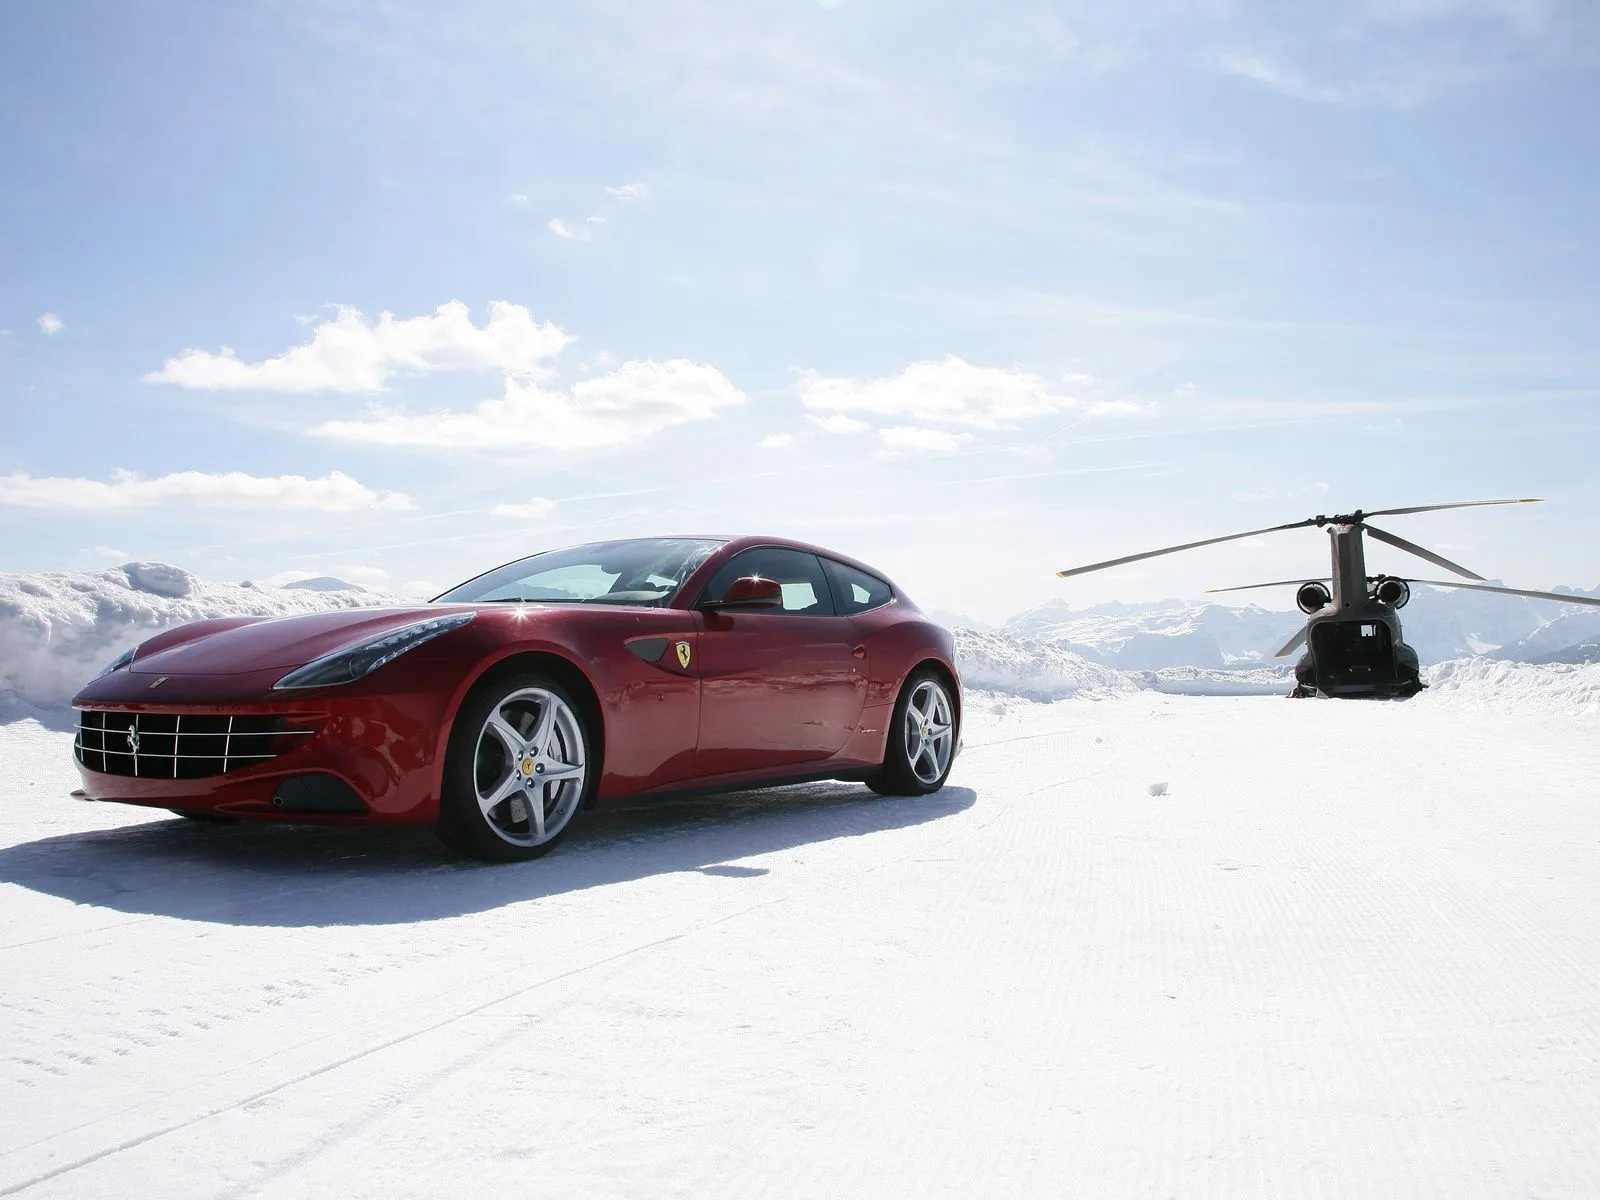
1313	596
1393	592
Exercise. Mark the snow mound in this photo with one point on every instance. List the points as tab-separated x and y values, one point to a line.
1482	683
1205	681
1034	670
58	629
159	579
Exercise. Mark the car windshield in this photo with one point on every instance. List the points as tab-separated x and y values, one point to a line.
646	571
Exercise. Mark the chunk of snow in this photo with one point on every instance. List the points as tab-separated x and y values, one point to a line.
159	579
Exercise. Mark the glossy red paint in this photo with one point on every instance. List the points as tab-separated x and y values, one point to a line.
764	697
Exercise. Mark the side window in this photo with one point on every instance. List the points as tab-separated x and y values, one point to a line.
855	591
805	589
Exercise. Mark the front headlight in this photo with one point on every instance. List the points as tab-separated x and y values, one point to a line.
121	661
351	663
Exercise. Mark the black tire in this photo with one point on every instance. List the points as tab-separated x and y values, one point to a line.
205	818
900	774
505	832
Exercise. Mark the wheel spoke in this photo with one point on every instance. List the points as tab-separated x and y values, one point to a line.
539	739
536	813
559	770
516	745
506	788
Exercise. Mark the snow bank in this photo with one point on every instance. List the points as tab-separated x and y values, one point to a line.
1483	683
1204	681
58	629
1034	670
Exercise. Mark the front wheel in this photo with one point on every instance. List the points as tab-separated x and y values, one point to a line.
517	771
922	739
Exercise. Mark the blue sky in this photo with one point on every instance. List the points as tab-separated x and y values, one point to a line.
970	291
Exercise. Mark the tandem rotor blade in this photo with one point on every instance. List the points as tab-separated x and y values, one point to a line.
1232	537
1486	587
1293	644
1437	560
1398	512
1245	587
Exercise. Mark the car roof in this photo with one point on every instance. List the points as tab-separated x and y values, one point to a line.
735	542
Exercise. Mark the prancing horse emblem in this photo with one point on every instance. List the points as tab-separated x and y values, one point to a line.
683	655
133	740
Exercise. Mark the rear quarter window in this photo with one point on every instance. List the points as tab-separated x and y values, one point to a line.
856	591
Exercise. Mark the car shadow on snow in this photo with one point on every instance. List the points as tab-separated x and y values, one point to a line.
292	876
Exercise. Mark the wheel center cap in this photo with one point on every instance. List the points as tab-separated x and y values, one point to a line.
527	766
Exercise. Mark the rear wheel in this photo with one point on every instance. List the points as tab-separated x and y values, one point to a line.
517	771
922	739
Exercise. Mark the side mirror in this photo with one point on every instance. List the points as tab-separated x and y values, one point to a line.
752	593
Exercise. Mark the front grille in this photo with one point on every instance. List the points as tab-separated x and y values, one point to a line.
180	745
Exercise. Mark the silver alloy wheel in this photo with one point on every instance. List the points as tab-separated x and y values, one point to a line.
529	766
930	731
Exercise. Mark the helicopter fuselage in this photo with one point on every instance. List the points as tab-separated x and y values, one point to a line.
1354	645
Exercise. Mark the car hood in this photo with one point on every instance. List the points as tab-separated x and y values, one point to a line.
277	642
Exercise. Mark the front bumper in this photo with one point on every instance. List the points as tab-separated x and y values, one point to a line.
361	758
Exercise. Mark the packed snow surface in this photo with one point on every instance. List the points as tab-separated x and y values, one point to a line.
1141	946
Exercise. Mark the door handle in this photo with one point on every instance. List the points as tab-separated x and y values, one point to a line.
859	652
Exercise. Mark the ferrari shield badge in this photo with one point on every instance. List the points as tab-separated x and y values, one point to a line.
683	655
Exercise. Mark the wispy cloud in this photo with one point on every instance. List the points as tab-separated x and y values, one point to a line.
50	324
631	404
904	438
530	509
776	441
575	233
629	193
334	493
947	391
347	354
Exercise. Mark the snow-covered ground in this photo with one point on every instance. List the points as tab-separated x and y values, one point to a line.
1352	950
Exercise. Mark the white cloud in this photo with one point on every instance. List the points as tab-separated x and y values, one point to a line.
50	324
110	552
629	192
839	423
910	437
1078	378
631	404
1119	408
332	493
776	441
533	509
347	354
519	198
947	391
575	233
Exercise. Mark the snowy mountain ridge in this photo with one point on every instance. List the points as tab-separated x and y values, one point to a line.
1441	624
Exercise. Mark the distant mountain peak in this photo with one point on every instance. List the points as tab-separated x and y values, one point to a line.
323	583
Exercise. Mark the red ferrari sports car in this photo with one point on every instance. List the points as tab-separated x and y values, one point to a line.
494	713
